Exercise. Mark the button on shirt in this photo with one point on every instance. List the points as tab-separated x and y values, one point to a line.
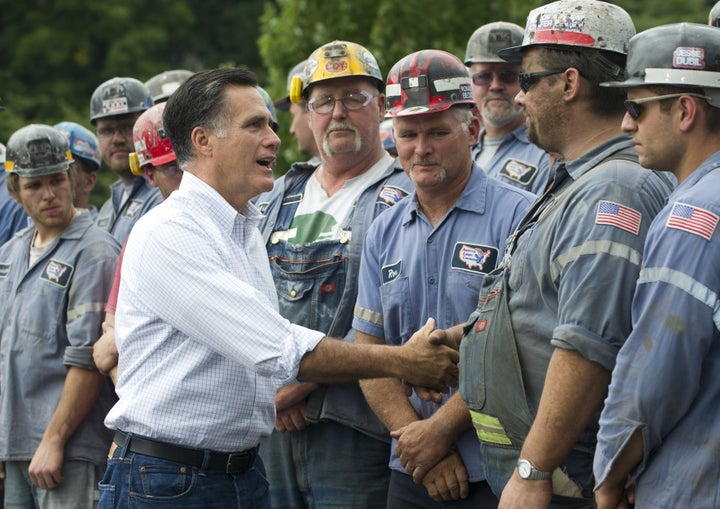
202	346
666	379
435	272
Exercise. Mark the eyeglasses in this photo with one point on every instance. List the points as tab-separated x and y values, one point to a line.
529	79
485	78
634	108
125	129
352	101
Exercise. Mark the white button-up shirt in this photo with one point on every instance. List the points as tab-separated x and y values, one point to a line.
202	346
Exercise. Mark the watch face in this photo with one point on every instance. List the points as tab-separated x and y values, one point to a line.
524	469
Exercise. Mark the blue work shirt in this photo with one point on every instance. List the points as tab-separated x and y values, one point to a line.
12	215
410	271
666	382
118	217
517	162
50	317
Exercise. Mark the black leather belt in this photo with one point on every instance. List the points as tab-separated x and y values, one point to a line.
230	463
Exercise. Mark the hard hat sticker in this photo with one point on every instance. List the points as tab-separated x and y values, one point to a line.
685	57
115	105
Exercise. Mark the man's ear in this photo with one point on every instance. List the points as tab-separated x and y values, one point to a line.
201	139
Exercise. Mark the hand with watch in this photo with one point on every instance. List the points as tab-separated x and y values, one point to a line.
528	472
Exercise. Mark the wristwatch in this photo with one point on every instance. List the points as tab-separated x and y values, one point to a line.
527	471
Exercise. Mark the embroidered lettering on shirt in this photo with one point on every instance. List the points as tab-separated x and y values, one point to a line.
391	272
617	215
57	273
474	257
518	171
390	195
5	270
693	220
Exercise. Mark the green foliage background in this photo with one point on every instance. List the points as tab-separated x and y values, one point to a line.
55	52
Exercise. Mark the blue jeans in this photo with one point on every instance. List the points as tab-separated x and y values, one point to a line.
326	465
77	491
135	480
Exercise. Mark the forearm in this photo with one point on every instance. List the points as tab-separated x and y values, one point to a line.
336	361
79	393
630	456
452	418
291	395
386	396
574	390
422	360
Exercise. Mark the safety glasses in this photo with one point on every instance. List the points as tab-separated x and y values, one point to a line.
352	101
635	109
484	78
529	79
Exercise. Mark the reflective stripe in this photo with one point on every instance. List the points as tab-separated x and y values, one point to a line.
369	315
594	248
489	429
90	307
687	284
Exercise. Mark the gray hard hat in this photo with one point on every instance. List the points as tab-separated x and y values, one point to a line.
486	41
37	150
165	83
714	16
119	96
678	54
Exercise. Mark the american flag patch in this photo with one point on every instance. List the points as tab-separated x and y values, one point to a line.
623	217
692	219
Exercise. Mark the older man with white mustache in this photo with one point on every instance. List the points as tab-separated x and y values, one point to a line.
503	149
328	444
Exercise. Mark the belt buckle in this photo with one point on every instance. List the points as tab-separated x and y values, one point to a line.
239	456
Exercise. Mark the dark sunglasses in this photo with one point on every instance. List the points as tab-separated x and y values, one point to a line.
635	109
484	78
529	79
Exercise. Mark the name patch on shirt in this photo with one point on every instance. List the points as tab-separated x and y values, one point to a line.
133	208
520	172
390	195
57	273
693	220
474	257
5	270
391	272
617	215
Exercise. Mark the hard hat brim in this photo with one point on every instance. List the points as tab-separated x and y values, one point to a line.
628	83
282	104
512	54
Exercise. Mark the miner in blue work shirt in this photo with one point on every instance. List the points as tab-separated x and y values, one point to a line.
445	238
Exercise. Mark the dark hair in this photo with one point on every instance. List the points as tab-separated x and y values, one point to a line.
596	66
201	102
712	114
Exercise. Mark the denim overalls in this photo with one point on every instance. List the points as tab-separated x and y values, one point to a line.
317	282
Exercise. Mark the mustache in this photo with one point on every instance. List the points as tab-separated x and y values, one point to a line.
340	126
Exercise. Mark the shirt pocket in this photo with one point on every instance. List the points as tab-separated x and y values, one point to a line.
400	311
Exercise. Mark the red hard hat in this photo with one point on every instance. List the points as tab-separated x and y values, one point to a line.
152	142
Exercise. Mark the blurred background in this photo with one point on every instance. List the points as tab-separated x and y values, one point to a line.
55	52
